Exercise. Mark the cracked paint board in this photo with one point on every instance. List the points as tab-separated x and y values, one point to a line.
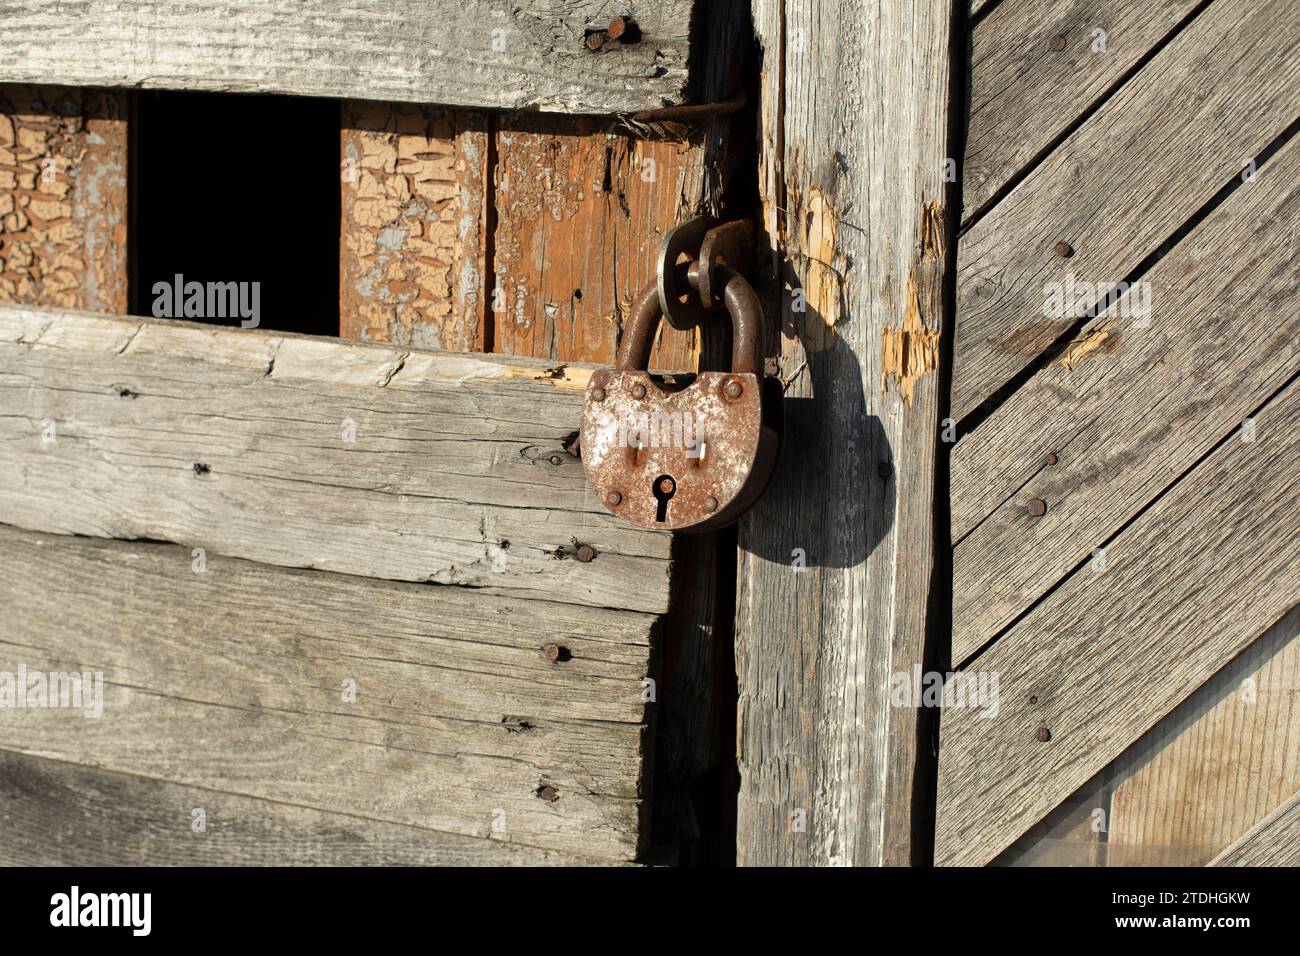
412	232
63	209
581	210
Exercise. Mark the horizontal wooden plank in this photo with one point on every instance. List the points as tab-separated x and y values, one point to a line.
430	707
1275	841
305	452
474	53
58	814
1129	416
1125	181
1105	656
1024	92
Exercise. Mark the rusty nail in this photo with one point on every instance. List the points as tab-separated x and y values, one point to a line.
1058	42
1064	249
556	460
552	652
667	486
597	394
1038	507
710	503
638	391
1044	734
625	29
585	553
1050	458
548	793
884	470
596	40
613	499
733	389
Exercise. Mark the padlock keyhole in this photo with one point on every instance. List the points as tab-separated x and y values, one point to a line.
664	487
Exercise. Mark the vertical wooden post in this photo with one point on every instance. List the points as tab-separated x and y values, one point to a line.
835	572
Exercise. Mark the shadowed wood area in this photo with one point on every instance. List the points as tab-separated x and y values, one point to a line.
436	708
302	452
1123	500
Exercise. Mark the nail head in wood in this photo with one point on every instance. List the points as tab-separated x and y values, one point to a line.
1058	42
1050	458
1064	249
585	553
1037	507
1044	735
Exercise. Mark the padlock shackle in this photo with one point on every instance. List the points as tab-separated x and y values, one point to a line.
742	305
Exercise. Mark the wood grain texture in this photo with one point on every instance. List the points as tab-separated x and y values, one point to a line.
853	202
1195	114
1274	842
1024	94
474	53
581	210
58	814
235	678
305	452
1105	656
1197	782
63	197
1125	419
414	220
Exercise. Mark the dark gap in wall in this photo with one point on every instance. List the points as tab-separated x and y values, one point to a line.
1023	173
990	405
937	652
228	191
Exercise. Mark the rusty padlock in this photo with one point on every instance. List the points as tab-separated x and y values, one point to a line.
681	459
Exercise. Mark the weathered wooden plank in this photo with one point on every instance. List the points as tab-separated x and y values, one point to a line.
63	197
1198	781
1207	103
475	53
58	814
1105	656
430	707
1151	385
1274	842
414	220
836	558
1025	92
344	456
581	210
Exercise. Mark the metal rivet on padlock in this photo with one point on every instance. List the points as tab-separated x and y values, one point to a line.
684	459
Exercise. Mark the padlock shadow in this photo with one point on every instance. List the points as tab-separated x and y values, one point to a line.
832	498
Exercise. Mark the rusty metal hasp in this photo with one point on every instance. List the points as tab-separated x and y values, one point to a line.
690	458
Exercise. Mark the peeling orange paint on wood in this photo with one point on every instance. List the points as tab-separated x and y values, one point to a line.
63	159
412	232
910	351
581	211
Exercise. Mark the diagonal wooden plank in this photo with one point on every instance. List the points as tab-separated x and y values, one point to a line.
1216	331
1125	181
1274	841
1188	586
1025	91
364	459
475	53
